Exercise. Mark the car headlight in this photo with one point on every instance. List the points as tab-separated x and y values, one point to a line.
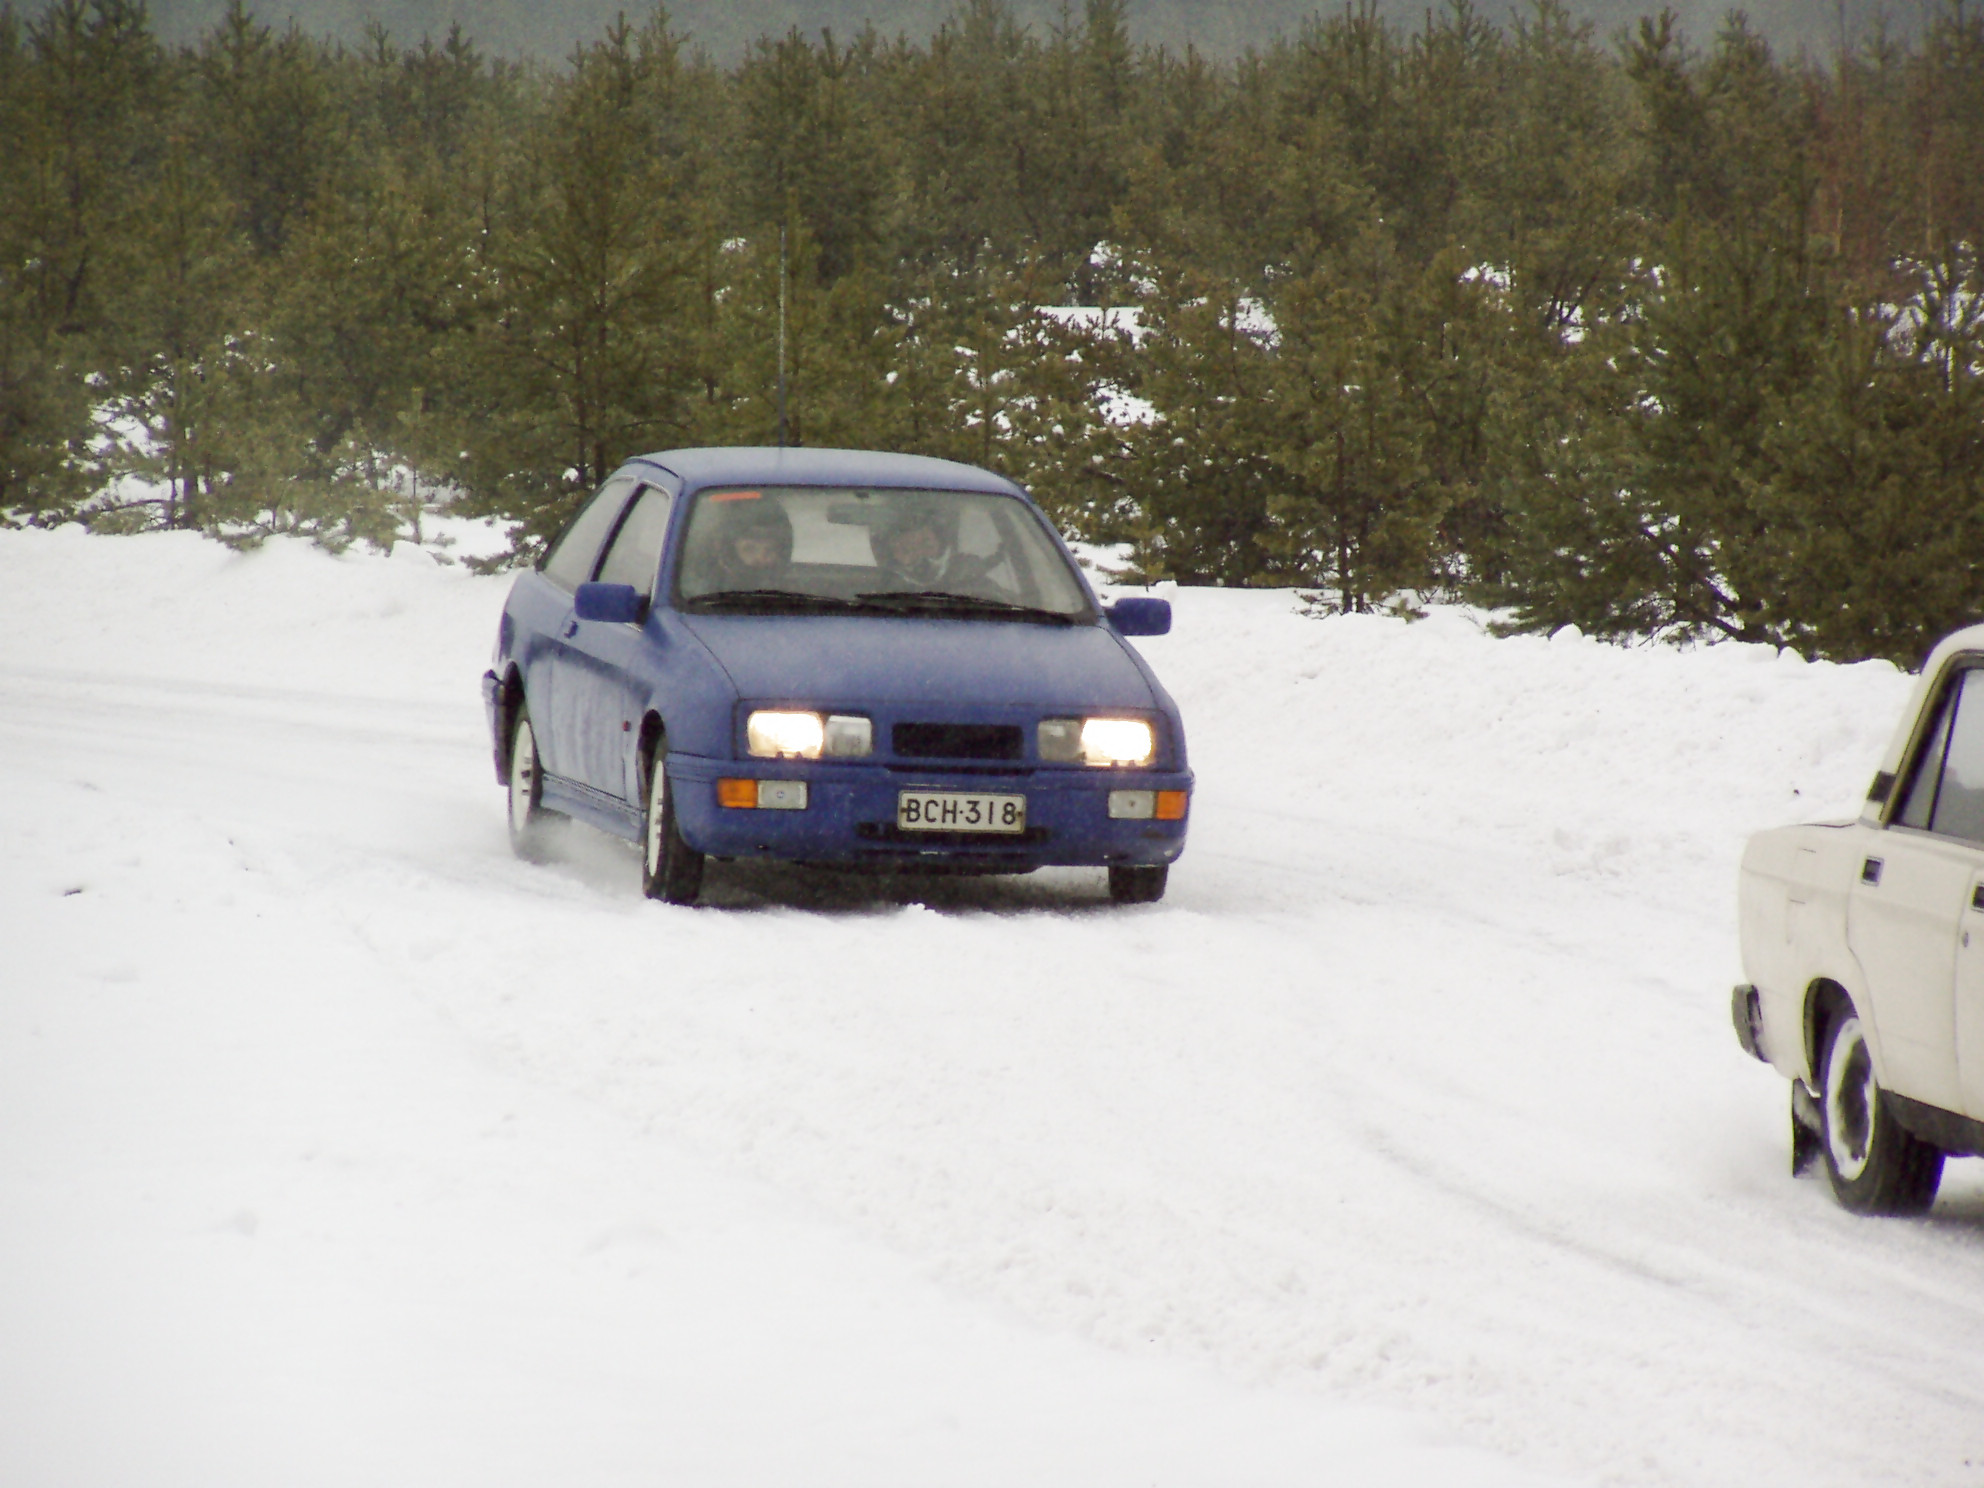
775	733
1097	741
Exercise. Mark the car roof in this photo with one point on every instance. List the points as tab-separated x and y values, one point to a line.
806	466
1970	638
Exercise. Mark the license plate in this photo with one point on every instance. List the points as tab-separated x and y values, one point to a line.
959	811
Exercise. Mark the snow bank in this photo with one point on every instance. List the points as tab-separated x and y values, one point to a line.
1556	756
176	606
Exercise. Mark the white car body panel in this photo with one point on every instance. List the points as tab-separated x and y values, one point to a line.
1903	931
1969	1009
1792	906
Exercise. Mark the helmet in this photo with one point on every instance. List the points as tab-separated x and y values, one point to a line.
762	523
913	540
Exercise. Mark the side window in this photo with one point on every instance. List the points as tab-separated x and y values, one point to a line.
1946	779
636	550
1959	810
1927	771
569	563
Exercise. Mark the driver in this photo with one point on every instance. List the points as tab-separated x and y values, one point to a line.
753	545
917	548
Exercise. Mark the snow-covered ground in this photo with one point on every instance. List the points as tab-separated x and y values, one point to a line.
1405	1142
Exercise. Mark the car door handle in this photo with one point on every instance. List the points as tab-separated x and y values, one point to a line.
1870	872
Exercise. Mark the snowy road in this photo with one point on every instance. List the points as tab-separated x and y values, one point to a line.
1405	1141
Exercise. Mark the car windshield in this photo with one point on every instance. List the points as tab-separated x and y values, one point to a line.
814	549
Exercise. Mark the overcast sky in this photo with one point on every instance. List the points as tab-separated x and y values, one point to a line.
547	28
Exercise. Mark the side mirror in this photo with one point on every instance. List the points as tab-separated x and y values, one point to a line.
1140	617
616	604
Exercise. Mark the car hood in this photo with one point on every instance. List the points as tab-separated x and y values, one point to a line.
846	660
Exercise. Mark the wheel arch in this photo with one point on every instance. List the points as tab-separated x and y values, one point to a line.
650	742
653	734
1827	1001
509	702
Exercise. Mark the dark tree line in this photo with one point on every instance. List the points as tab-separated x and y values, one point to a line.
1648	336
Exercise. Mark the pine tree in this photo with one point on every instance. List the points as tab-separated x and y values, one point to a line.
1200	464
806	146
1377	418
178	326
360	319
585	288
1877	490
267	128
78	112
1550	202
834	346
966	115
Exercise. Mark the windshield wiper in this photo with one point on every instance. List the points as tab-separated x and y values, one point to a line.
939	601
767	599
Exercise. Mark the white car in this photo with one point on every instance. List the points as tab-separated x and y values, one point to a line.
1863	949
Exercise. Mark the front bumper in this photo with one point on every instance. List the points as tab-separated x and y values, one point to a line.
850	816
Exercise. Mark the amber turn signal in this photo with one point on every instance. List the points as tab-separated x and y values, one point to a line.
1171	805
739	793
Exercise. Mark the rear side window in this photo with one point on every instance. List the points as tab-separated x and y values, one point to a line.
570	562
1946	791
636	550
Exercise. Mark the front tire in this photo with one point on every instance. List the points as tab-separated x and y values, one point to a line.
1137	883
1875	1165
671	870
531	826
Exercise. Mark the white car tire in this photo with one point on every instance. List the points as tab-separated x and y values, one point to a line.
1875	1165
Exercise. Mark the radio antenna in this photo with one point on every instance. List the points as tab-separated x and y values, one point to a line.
781	335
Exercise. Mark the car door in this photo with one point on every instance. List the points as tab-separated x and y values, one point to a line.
553	686
1908	913
603	657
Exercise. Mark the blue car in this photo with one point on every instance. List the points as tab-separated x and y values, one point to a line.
833	657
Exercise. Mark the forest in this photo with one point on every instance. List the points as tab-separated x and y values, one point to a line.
1654	334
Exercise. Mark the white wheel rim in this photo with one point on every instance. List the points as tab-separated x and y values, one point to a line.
657	789
1850	1098
523	777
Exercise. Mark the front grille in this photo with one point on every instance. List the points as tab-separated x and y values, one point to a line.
957	741
993	842
952	769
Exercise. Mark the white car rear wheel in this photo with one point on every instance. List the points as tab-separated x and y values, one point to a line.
1875	1165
